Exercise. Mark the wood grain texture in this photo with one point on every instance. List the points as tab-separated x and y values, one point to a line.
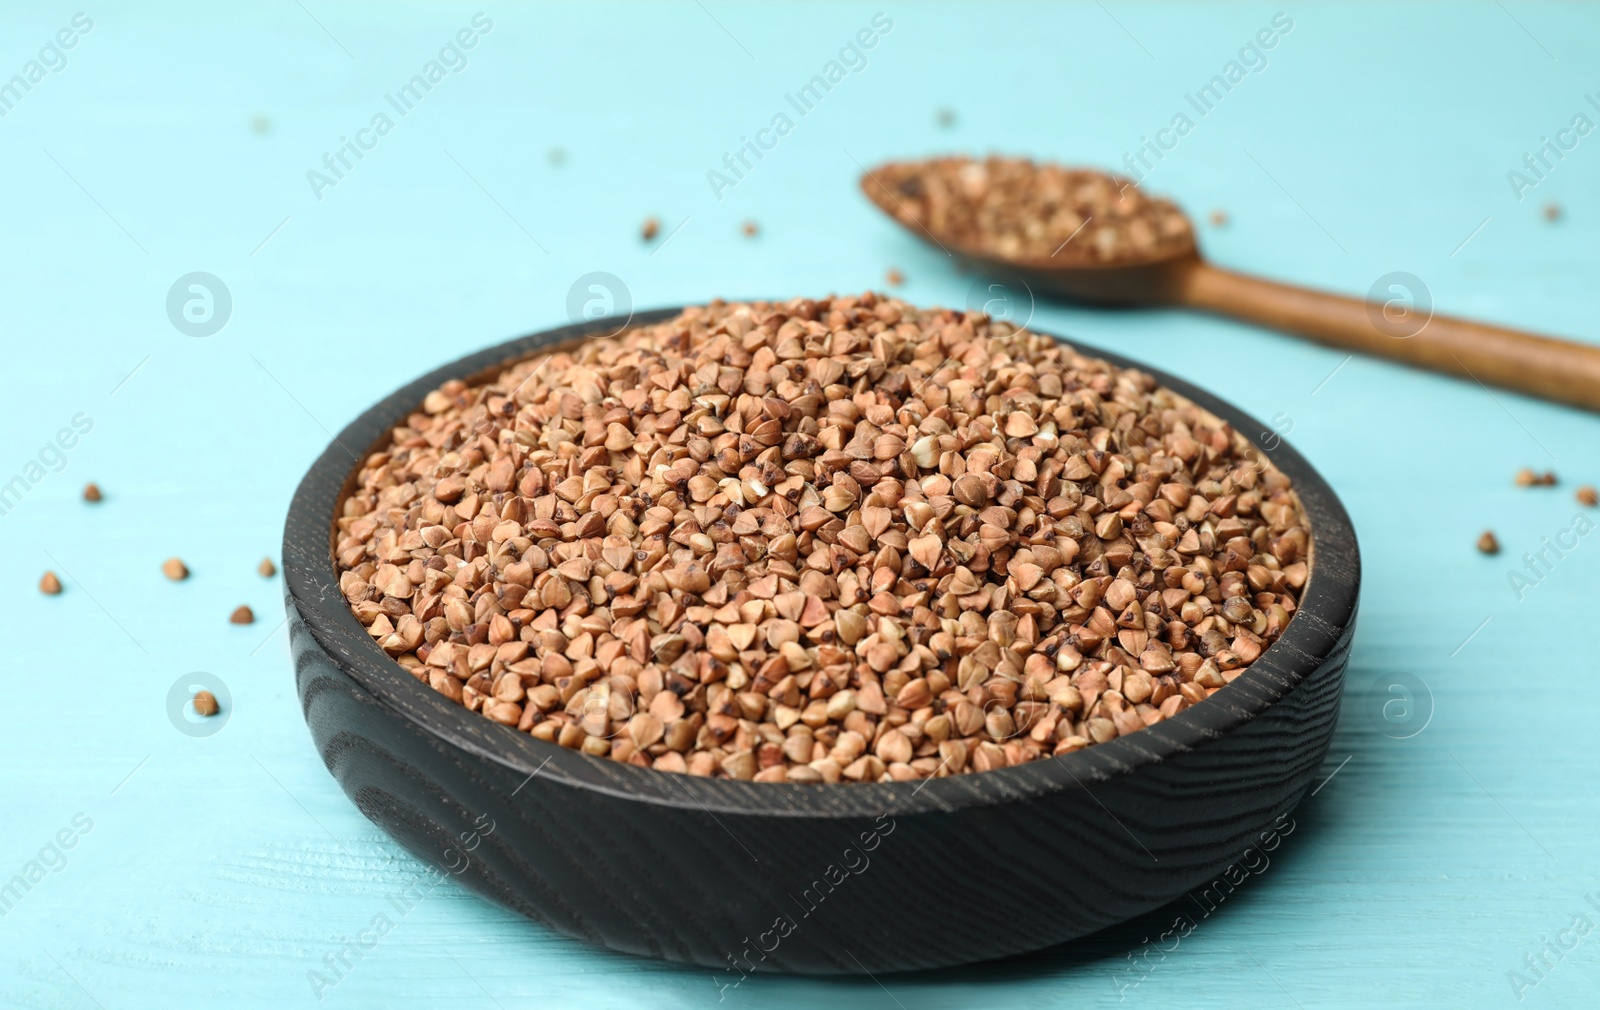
817	879
1407	331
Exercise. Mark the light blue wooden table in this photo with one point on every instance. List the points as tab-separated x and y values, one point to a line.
1452	843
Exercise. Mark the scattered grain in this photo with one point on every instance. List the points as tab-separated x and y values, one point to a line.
895	277
266	569
242	615
175	569
205	703
1588	496
1488	544
50	585
1218	218
650	229
91	492
749	229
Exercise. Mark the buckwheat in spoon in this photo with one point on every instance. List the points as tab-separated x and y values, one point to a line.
1093	237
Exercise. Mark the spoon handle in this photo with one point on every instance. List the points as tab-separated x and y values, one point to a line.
1559	370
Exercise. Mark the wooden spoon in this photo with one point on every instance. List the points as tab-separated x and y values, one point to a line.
1541	366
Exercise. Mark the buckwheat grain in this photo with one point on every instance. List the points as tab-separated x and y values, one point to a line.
1018	209
821	540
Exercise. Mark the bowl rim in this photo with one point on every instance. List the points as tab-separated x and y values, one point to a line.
312	596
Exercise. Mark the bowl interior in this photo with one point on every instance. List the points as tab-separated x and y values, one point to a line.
1326	606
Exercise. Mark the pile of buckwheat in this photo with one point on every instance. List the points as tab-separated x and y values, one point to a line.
1021	210
820	541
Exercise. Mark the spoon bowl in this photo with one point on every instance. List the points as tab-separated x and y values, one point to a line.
1068	274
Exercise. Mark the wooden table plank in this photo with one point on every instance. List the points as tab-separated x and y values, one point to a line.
221	871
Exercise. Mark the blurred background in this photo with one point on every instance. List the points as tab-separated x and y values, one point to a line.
229	229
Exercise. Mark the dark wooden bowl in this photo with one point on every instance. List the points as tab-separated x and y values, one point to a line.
846	878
